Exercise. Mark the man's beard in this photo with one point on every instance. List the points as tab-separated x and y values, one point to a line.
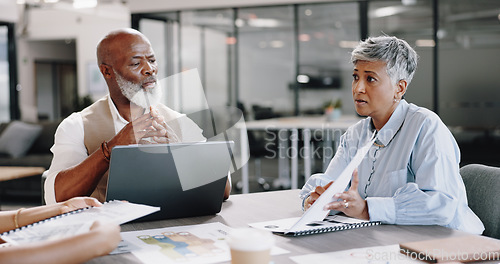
136	94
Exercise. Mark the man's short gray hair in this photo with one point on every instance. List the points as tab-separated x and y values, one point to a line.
400	58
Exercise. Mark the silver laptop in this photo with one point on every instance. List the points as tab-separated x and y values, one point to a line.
183	179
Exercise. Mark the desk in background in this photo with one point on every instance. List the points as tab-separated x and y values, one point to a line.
288	128
8	173
240	210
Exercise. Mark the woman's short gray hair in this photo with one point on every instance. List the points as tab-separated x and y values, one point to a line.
400	58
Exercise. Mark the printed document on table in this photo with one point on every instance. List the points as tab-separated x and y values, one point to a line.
78	222
316	212
315	220
329	224
194	244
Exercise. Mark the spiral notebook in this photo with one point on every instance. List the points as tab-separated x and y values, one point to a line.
77	222
331	223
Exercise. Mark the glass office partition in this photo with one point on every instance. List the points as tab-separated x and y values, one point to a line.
412	22
266	57
206	38
469	48
4	76
326	35
156	31
254	54
163	32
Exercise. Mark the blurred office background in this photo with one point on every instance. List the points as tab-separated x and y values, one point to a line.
271	58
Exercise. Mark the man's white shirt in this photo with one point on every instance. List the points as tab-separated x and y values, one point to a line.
69	148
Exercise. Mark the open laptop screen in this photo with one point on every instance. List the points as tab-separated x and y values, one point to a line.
183	179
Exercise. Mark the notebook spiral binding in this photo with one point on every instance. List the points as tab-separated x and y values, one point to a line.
336	228
45	220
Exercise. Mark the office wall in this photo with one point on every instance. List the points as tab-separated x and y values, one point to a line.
469	87
9	11
85	27
28	53
276	71
138	6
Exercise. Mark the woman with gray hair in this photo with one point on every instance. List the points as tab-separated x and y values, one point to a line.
410	175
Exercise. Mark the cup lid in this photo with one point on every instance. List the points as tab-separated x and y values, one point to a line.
250	239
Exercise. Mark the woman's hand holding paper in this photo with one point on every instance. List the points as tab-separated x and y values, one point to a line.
350	202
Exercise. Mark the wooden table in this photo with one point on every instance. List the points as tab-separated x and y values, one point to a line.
8	173
242	209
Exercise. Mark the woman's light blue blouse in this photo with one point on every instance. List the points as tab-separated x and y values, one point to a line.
411	175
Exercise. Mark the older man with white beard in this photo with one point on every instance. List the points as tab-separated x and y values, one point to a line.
129	114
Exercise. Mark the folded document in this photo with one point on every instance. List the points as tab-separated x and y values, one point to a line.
330	224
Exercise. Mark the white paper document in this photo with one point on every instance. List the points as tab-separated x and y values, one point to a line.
204	243
314	219
316	211
78	222
330	223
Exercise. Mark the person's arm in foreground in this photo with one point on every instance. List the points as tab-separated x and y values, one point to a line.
31	215
99	241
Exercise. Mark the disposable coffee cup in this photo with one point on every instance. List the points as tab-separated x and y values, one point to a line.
250	246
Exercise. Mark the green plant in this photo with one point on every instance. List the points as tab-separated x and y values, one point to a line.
333	104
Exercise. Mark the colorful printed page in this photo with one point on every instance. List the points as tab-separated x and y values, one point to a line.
198	244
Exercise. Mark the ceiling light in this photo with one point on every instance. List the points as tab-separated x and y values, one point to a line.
408	2
263	22
84	4
308	12
239	22
302	78
304	37
387	11
347	44
425	43
441	33
231	40
277	44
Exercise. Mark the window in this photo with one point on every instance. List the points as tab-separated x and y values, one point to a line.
469	48
266	57
413	23
327	33
4	76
